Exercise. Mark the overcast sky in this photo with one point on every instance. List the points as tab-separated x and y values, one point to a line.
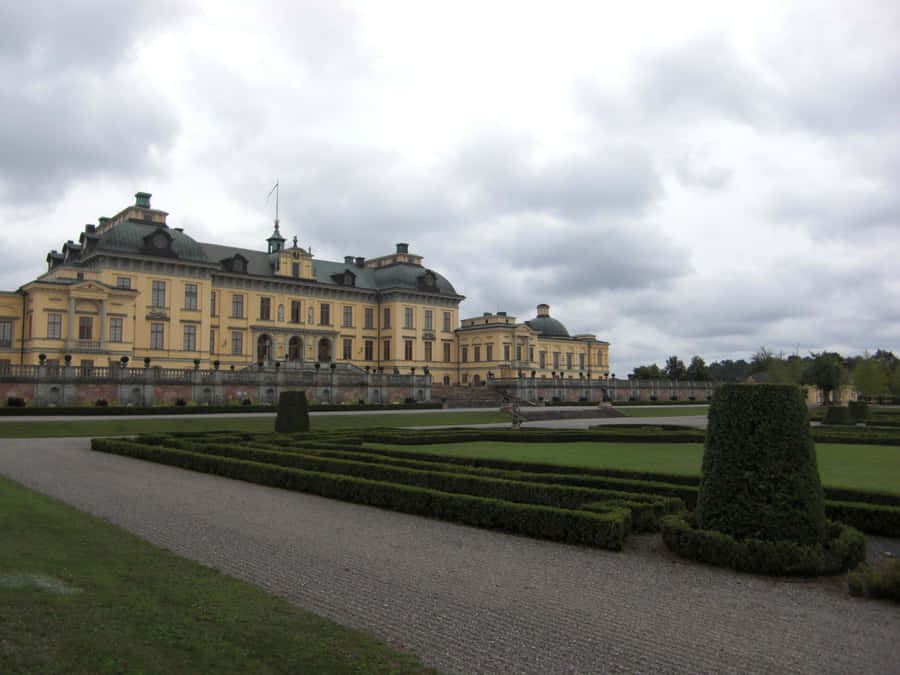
677	178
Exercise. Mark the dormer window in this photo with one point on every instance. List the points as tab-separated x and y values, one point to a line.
348	278
236	263
158	242
428	281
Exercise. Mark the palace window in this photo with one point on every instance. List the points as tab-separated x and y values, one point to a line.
465	355
518	352
325	314
408	350
489	352
158	294
5	332
295	269
581	361
369	320
348	349
531	354
348	316
428	319
237	306
85	328
569	360
555	360
428	351
265	309
446	352
123	282
237	343
212	341
296	311
407	317
54	325
115	329
543	359
157	340
370	351
387	317
477	353
190	338
447	321
506	352
212	303
190	296
386	350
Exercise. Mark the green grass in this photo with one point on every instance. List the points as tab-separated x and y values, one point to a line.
121	427
863	467
662	411
80	595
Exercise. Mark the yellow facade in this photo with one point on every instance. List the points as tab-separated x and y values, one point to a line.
137	288
495	345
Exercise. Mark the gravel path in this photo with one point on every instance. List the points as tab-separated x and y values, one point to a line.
468	600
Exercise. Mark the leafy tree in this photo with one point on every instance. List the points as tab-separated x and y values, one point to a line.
785	371
826	372
729	371
651	372
870	378
698	370
761	361
675	369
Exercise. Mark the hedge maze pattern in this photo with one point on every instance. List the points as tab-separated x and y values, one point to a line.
590	507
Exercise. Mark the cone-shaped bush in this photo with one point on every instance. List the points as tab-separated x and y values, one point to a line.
760	477
293	413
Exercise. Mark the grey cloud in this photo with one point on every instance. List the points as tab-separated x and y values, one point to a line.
77	131
47	36
503	174
68	110
702	76
837	67
844	211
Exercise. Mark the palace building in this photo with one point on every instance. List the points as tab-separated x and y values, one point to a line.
134	286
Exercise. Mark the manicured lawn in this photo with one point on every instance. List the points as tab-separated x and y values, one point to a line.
80	595
665	411
866	467
120	427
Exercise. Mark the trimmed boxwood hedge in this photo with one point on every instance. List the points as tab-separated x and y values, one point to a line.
842	548
601	530
760	477
646	509
877	582
293	412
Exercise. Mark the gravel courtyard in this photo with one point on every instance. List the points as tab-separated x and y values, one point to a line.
468	600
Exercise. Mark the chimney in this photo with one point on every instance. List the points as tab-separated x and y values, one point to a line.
142	200
90	228
348	259
543	310
360	261
402	248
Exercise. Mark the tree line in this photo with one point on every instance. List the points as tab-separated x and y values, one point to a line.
874	375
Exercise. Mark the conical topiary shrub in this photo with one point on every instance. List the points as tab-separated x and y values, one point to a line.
293	412
760	477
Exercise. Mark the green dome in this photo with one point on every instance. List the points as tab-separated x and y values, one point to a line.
546	325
